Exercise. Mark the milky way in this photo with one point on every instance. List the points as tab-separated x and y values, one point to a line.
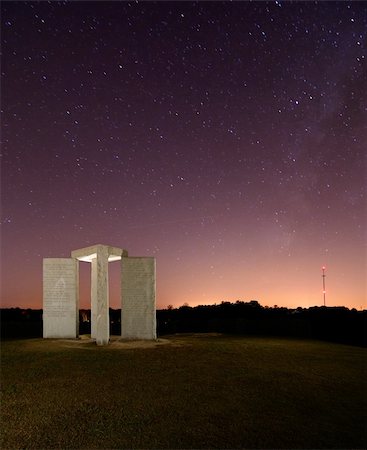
226	139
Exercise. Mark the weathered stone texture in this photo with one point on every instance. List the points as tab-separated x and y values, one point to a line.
138	312
60	298
61	294
93	297
102	295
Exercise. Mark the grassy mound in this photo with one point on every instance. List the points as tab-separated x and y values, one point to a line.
187	391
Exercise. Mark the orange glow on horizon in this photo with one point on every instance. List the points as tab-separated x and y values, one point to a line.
282	285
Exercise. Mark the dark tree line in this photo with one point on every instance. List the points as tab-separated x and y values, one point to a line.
337	324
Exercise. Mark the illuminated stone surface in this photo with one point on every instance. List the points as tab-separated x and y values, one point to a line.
138	316
93	298
87	254
61	294
60	298
99	256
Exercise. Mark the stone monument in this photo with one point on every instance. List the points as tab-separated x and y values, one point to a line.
60	298
61	294
138	319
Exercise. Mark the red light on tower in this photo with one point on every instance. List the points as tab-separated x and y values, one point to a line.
323	284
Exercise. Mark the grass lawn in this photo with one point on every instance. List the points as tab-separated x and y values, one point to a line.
190	391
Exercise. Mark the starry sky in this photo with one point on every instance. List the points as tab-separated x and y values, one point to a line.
226	139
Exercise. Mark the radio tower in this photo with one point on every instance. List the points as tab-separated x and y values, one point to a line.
323	284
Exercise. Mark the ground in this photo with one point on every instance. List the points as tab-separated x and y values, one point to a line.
184	391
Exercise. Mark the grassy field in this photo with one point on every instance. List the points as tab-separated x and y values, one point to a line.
188	391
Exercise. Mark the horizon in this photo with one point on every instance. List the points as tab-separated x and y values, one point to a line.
170	307
225	139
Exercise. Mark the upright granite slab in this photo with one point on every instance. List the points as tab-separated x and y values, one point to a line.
138	312
93	298
60	298
99	256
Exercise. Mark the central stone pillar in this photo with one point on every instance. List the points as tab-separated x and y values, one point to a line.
99	256
93	298
100	284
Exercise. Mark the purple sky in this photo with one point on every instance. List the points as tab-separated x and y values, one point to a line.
228	140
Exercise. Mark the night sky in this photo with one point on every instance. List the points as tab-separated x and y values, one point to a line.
228	140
